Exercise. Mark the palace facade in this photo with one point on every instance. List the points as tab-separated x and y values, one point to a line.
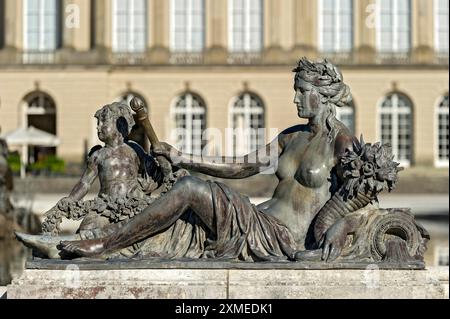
219	64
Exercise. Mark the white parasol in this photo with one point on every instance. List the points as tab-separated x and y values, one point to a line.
30	136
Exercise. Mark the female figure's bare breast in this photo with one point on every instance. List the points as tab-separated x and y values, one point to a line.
303	182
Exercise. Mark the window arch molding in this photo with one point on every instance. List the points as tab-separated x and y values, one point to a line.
400	118
39	109
188	114
126	96
251	113
43	101
137	133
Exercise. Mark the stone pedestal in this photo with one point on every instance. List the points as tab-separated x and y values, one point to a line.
179	280
2	292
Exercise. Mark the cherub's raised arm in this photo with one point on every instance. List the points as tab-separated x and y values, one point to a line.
226	166
82	187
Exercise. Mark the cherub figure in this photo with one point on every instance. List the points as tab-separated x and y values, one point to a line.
127	176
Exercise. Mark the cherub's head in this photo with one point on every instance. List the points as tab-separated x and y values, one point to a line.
114	121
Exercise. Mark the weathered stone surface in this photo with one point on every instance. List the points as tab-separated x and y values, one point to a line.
149	283
231	283
369	283
2	292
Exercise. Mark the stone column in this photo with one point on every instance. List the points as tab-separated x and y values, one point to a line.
76	30
103	29
272	21
364	30
160	24
422	29
66	30
305	29
286	23
13	31
216	29
77	24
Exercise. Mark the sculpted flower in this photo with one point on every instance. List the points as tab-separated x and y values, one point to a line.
356	166
368	169
100	205
64	203
120	201
369	152
382	175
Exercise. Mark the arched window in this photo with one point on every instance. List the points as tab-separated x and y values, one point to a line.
442	132
393	26
189	114
395	126
187	25
129	26
247	120
346	114
245	25
137	133
40	112
335	25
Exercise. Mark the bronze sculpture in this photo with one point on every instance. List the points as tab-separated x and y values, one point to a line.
6	180
324	206
127	177
12	218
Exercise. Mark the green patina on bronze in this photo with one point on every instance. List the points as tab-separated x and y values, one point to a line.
324	208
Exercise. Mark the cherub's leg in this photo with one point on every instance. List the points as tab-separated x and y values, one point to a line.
46	245
188	192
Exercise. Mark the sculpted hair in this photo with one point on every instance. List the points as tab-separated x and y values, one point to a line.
122	114
327	79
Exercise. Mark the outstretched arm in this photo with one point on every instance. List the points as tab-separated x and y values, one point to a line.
82	187
54	214
226	166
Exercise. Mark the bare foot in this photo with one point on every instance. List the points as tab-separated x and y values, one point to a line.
44	245
83	248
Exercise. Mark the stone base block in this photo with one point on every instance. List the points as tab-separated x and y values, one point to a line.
2	292
124	283
231	283
337	284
